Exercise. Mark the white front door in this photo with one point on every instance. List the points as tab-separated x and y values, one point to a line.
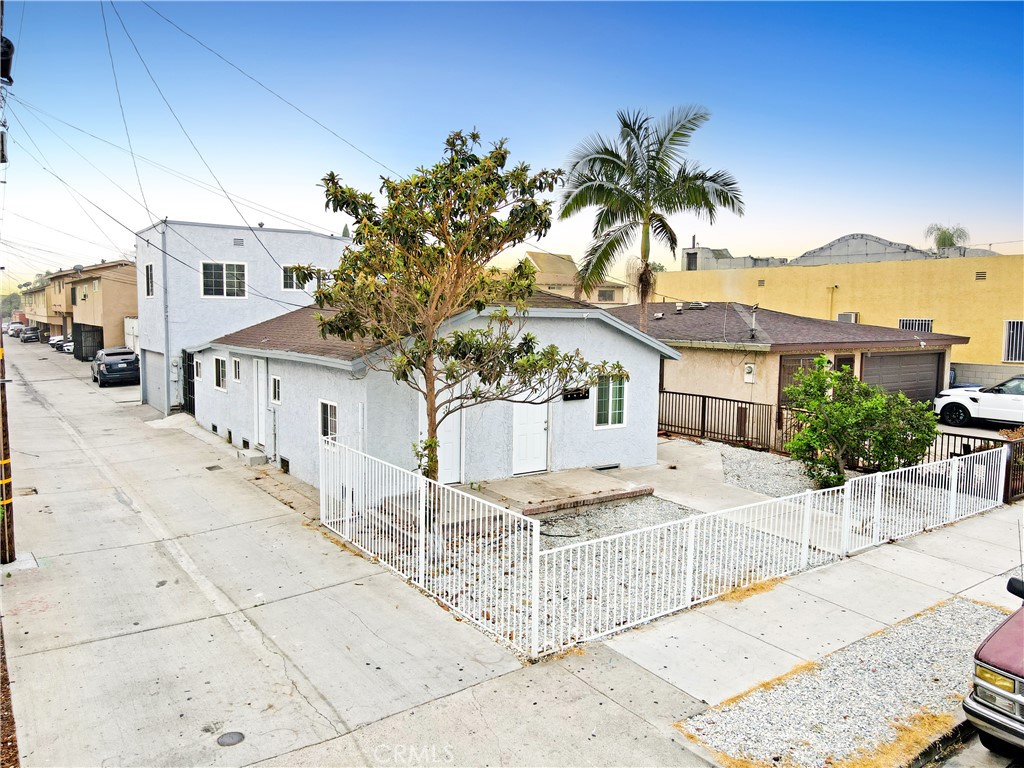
449	445
529	438
259	385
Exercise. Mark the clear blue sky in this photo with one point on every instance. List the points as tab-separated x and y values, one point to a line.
834	117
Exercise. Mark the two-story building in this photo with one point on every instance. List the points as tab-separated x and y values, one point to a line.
862	278
198	282
556	273
101	297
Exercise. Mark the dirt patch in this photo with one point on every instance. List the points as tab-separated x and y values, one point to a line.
8	737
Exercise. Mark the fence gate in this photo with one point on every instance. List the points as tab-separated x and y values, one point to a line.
1015	472
188	404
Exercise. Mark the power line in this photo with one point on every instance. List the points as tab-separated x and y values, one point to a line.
272	92
259	207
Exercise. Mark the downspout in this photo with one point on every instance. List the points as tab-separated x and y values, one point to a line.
167	331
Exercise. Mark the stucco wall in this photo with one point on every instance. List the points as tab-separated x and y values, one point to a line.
193	319
390	411
943	290
720	373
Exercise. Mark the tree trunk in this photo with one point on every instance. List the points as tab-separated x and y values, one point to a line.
643	274
430	397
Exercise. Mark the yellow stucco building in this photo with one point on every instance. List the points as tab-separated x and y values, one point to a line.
980	296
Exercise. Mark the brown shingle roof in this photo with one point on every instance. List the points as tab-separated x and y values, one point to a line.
298	332
730	322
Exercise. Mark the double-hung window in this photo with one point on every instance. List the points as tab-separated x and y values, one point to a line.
275	389
611	401
197	369
288	280
328	419
224	280
236	369
220	373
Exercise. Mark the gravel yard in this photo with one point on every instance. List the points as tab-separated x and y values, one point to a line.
763	472
596	520
852	700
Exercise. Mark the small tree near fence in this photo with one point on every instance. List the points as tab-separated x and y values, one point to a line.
422	259
846	422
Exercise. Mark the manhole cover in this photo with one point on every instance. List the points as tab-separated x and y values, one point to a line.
213	468
230	738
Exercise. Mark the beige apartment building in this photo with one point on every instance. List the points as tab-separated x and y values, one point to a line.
100	297
47	304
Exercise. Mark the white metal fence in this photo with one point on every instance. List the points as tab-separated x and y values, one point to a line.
485	562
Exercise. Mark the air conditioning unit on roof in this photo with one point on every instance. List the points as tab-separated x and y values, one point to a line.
848	317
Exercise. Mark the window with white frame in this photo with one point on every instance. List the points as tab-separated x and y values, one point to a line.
916	324
220	373
611	401
149	279
606	294
288	280
236	369
224	280
197	369
275	389
328	419
1013	342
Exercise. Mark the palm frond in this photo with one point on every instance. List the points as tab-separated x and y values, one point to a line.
588	191
674	132
602	254
664	232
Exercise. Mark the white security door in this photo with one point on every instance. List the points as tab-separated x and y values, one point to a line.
529	438
259	385
449	445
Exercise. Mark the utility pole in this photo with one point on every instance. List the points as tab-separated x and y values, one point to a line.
7	553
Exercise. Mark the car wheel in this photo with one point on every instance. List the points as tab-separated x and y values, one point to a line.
102	383
955	415
997	745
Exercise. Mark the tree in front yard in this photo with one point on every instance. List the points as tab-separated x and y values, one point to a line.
422	259
846	422
636	182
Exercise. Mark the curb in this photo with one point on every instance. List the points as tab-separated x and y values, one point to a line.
586	501
957	735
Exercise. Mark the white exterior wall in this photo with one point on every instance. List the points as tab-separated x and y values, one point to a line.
389	415
193	319
131	333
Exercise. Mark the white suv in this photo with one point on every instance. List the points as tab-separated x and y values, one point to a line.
1003	402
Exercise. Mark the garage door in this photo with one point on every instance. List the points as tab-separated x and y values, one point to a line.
915	374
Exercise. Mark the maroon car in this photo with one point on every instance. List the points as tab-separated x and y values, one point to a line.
996	705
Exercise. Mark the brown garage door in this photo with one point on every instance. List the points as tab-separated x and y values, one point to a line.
915	374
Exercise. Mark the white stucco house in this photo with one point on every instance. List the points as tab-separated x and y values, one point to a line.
199	281
277	386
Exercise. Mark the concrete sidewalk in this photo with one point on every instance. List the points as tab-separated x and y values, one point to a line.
177	599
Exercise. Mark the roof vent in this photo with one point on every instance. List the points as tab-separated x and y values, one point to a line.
679	307
659	315
697	305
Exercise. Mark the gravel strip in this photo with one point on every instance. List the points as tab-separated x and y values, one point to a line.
847	704
763	472
597	520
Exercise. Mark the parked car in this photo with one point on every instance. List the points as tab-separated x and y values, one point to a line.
54	340
115	364
996	704
29	334
15	329
1003	402
66	346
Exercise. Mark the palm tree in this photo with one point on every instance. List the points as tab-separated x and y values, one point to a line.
946	237
637	181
